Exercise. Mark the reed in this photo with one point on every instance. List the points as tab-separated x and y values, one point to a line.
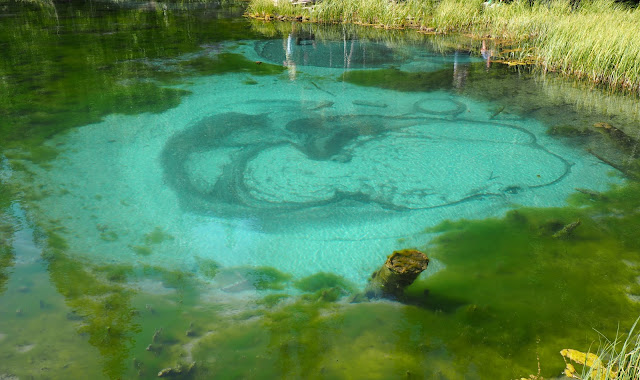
596	40
616	360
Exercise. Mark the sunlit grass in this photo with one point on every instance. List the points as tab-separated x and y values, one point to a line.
596	41
618	359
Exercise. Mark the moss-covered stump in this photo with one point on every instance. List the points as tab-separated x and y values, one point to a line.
398	272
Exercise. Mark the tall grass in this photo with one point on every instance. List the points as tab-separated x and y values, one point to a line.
598	40
618	359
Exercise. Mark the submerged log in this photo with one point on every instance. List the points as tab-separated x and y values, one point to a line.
592	194
398	272
567	230
618	136
622	168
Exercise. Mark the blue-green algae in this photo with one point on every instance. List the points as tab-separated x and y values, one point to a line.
101	302
230	63
323	281
484	315
395	79
207	267
259	278
7	259
142	250
157	236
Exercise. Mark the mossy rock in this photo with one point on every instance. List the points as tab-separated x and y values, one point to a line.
322	281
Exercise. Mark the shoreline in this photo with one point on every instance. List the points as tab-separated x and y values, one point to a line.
593	42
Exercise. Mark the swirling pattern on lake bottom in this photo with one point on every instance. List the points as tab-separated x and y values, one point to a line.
235	164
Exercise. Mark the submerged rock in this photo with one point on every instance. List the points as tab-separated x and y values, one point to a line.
177	370
398	272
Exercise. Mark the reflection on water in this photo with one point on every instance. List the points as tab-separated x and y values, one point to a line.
183	195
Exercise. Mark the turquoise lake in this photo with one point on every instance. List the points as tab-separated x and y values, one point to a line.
187	191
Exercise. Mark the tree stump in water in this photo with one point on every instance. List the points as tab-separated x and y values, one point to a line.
398	272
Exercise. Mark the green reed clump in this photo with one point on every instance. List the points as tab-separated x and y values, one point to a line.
596	40
616	360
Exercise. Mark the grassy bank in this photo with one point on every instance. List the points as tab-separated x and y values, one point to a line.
596	41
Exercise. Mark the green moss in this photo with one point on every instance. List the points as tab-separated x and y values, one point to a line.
104	306
272	300
180	280
115	273
6	252
569	131
325	295
509	280
322	281
37	154
260	278
398	80
109	236
230	63
157	236
209	268
141	250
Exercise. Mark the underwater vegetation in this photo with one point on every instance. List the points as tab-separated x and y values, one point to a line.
395	79
6	251
230	63
58	73
101	303
509	294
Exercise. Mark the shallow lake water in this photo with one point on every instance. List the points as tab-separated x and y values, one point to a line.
190	193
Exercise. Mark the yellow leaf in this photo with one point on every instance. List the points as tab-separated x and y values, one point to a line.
570	371
580	357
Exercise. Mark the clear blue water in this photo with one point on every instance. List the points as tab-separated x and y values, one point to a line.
162	235
303	174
